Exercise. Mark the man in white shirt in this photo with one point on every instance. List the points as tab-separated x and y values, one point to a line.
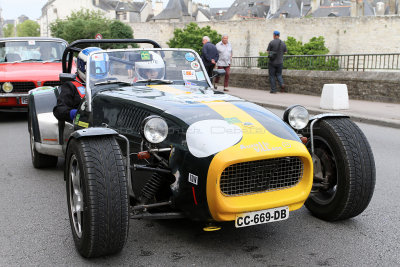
225	56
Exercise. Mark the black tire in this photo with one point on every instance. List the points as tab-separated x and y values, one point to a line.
39	160
348	167
98	204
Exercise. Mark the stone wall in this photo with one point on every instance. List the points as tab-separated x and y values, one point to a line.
372	86
345	35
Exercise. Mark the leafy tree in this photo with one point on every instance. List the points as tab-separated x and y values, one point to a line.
293	46
316	46
86	24
28	28
191	37
8	30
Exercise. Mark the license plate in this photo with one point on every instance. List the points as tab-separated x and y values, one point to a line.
261	216
24	100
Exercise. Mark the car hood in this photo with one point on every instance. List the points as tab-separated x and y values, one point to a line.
188	105
30	71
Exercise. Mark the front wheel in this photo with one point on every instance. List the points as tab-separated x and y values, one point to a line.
97	196
344	170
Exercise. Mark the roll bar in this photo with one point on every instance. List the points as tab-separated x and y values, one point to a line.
69	51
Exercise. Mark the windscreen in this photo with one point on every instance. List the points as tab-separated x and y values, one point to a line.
146	66
31	51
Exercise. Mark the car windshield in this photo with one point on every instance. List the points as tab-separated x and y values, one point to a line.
145	67
31	51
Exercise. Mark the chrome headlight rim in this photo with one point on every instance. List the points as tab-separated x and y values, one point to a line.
7	87
297	117
154	129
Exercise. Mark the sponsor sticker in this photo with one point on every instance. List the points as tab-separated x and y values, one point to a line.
190	57
31	42
145	55
98	57
195	65
194	179
189	84
189	75
200	76
232	120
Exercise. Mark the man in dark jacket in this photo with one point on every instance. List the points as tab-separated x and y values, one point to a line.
209	55
275	64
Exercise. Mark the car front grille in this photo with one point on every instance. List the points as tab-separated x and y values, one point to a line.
262	175
130	119
20	87
52	83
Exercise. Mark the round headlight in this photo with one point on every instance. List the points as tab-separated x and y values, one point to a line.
297	116
7	87
155	129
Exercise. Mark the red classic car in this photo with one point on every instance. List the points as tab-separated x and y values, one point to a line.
27	63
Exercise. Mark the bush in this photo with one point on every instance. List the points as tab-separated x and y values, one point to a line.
316	46
191	37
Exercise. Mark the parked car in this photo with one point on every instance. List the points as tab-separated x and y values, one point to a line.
27	63
169	146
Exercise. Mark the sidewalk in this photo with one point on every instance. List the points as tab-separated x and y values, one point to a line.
383	114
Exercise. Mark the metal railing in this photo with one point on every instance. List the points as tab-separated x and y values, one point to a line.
352	62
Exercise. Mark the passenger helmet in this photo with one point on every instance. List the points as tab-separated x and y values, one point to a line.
152	67
99	64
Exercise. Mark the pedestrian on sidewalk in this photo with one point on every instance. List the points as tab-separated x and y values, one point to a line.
276	49
225	57
209	55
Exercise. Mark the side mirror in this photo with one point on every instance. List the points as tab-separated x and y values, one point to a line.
218	72
67	77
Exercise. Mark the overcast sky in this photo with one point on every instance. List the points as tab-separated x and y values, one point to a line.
12	9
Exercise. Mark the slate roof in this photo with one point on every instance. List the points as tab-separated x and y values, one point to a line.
332	11
246	8
175	9
290	8
129	7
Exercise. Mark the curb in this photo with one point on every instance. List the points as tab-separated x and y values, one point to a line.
357	118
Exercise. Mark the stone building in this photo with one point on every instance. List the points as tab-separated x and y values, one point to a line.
128	11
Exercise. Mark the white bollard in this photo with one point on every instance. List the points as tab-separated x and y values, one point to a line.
334	96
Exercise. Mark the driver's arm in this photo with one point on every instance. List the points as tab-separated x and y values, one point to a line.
67	100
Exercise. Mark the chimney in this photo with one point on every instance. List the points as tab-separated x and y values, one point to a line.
315	4
274	6
158	7
380	9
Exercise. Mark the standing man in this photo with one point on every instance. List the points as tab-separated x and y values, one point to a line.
225	56
209	55
276	49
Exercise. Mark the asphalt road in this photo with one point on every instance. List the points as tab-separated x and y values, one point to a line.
34	226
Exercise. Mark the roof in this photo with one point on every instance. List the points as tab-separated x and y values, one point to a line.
247	8
290	8
129	7
175	9
332	11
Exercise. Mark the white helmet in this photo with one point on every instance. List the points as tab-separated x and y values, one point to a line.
154	68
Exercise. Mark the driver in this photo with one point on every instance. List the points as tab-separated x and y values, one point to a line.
153	69
72	92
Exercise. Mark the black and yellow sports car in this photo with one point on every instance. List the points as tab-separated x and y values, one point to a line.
153	140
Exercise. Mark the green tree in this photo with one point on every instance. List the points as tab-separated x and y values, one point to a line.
28	28
293	46
316	46
86	24
8	30
191	37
